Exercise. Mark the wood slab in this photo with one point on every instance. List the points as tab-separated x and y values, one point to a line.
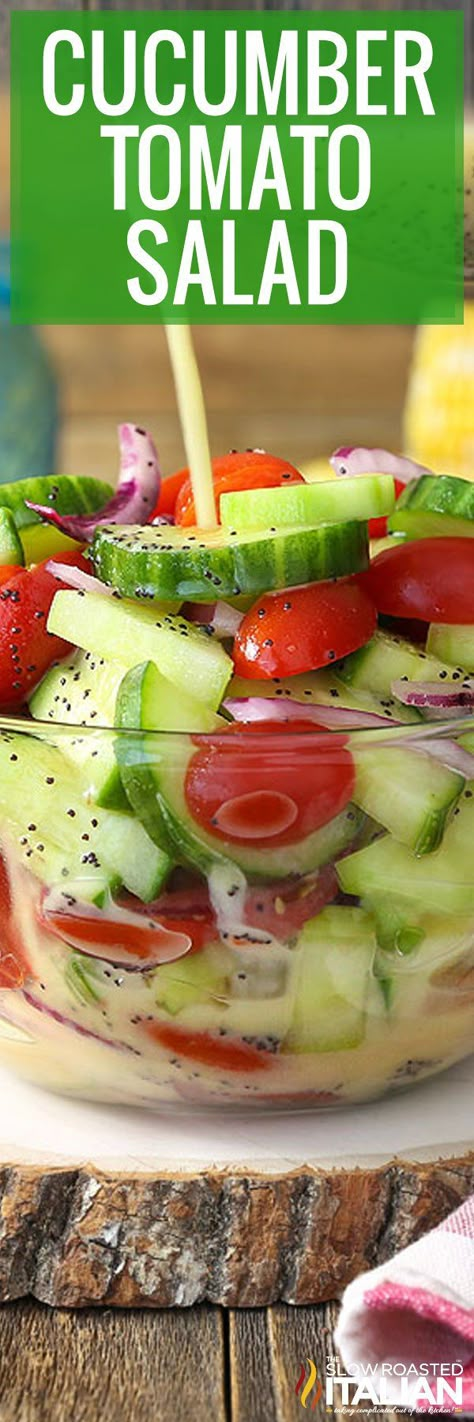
102	1205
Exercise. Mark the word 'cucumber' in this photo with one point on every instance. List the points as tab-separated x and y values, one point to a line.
123	631
202	565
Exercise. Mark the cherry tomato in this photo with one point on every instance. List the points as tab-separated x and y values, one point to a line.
378	527
251	469
14	967
169	492
9	571
239	792
431	579
303	628
120	938
26	647
229	1054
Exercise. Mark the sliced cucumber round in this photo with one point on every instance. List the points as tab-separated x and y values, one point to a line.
66	493
154	778
435	506
367	496
201	565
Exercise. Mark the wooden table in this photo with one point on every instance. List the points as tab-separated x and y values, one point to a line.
208	1364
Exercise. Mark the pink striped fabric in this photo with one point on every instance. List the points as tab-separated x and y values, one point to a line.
417	1309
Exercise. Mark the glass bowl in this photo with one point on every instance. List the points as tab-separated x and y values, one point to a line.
148	959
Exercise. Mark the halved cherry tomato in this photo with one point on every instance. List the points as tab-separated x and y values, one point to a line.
169	491
13	963
303	628
228	1055
378	527
250	469
26	647
123	938
431	579
239	793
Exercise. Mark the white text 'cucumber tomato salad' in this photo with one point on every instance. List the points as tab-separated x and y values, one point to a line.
237	781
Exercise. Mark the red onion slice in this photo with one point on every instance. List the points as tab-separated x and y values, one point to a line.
137	491
41	1006
453	756
118	936
337	718
447	699
347	461
219	617
76	578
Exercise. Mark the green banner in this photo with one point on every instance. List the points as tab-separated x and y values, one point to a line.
237	166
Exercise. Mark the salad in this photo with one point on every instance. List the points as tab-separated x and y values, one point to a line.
237	781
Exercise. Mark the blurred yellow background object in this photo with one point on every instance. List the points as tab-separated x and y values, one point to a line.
439	411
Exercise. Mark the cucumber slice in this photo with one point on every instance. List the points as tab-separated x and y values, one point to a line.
82	691
159	800
11	550
418	980
435	506
323	688
454	645
385	659
335	954
147	701
307	505
201	565
408	793
444	880
142	866
114	628
67	493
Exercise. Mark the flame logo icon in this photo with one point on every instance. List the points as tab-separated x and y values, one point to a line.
312	1379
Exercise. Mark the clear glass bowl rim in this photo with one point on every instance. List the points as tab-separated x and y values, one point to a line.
392	733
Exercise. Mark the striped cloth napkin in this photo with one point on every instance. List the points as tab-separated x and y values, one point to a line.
416	1310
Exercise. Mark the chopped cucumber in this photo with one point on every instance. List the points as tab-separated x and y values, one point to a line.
418	979
147	701
386	659
435	506
454	645
136	860
121	630
204	977
158	798
82	691
42	540
398	924
292	505
444	879
61	837
409	793
335	954
201	565
67	493
11	551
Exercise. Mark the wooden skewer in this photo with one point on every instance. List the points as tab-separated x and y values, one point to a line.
192	414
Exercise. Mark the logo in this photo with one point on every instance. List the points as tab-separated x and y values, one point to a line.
309	1385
